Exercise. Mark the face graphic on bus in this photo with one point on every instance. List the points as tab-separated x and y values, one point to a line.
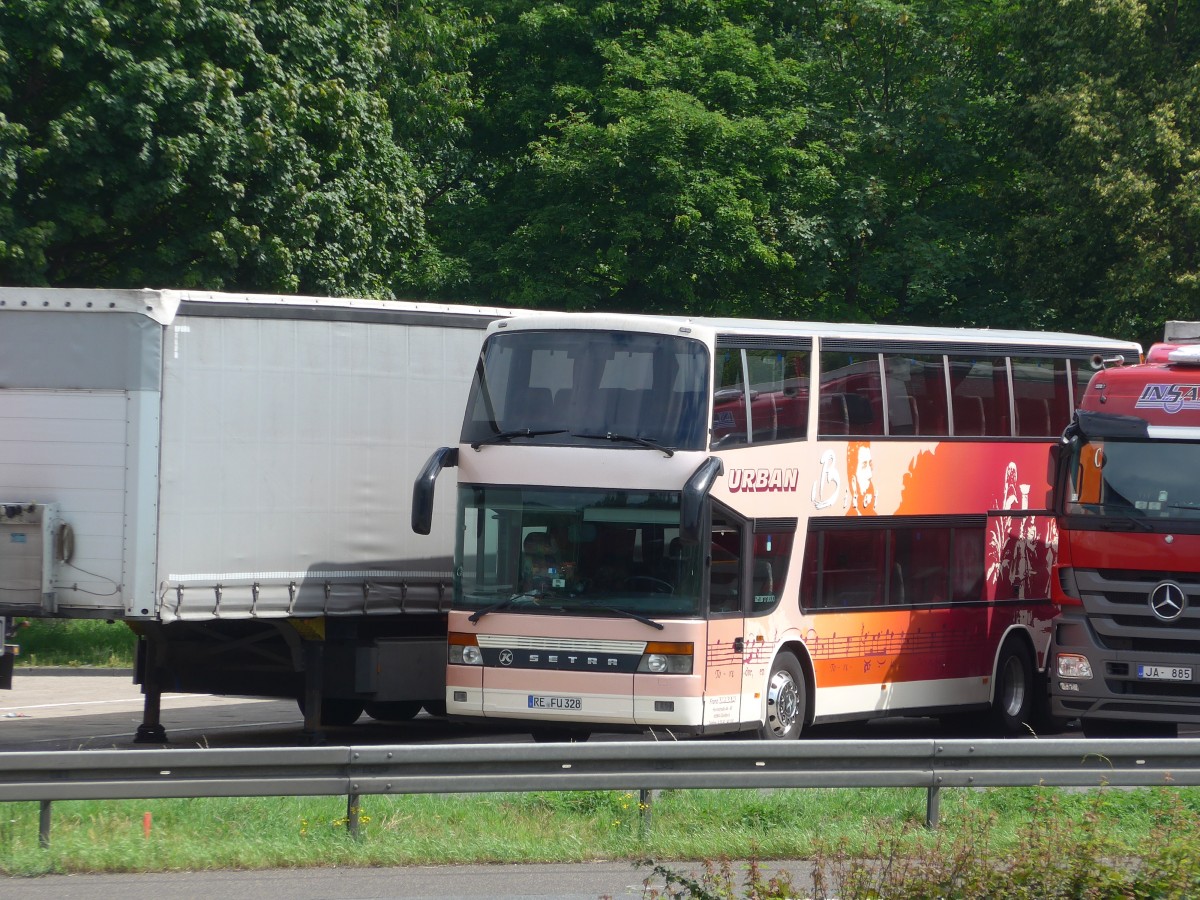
861	469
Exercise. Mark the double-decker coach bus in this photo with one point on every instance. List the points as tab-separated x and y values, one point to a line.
696	526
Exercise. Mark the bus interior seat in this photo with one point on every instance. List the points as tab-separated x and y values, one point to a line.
562	406
765	413
968	415
861	412
539	407
1033	417
833	417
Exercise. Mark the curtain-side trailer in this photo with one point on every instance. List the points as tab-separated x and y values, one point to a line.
230	475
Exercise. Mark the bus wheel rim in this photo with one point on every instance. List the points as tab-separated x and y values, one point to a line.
783	703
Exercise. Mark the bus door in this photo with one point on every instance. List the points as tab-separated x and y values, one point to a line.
726	620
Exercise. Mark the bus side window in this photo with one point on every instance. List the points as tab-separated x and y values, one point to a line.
772	552
968	564
725	569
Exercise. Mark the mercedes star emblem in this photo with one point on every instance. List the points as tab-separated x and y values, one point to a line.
1168	601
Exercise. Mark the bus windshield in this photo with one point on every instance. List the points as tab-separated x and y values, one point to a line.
578	388
1143	480
531	549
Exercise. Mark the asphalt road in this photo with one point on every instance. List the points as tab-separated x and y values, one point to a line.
102	711
74	711
68	712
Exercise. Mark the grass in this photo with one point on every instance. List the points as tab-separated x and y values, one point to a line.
76	643
864	843
835	827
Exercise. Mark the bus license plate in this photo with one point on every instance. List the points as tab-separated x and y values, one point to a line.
541	701
1165	673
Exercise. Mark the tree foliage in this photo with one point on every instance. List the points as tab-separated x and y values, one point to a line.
208	143
996	162
1109	129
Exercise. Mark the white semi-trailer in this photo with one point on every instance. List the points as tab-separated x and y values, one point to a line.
231	475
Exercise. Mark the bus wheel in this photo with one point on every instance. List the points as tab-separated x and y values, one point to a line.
393	710
785	701
1012	705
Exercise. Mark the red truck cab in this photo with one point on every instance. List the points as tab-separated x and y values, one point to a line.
1125	651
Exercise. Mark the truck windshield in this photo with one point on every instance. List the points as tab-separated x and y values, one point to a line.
574	551
1152	481
644	391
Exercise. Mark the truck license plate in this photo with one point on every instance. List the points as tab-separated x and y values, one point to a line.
541	701
1165	673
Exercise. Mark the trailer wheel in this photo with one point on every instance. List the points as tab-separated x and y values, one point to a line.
393	710
785	701
337	712
1012	703
436	708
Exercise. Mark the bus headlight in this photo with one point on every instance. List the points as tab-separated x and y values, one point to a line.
1074	665
667	658
464	651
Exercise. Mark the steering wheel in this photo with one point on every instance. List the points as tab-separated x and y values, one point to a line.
650	584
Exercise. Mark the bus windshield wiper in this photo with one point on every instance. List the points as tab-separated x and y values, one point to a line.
505	436
641	441
645	620
502	604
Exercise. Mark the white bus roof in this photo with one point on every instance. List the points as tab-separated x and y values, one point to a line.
707	328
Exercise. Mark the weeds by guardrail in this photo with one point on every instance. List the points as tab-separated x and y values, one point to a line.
635	766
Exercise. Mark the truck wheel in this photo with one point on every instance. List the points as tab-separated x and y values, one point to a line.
1104	728
785	701
1012	704
393	710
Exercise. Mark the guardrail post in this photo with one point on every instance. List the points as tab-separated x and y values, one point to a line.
44	825
352	811
645	795
932	803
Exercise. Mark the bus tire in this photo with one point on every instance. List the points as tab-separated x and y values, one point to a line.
393	710
1013	701
785	701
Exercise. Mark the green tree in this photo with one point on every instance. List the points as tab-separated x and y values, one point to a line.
1109	202
643	157
211	143
908	98
840	159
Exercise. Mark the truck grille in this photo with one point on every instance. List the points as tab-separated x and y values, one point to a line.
1116	602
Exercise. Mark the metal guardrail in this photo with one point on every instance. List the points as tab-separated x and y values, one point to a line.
643	765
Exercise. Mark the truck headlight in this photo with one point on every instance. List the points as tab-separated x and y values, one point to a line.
1074	665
